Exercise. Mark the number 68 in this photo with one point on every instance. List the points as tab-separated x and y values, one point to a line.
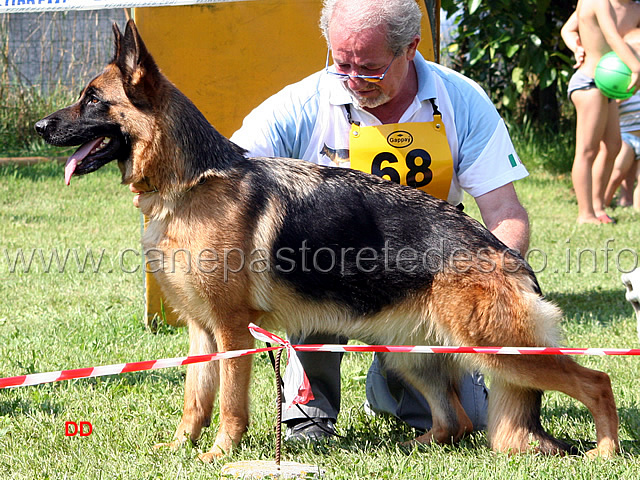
414	169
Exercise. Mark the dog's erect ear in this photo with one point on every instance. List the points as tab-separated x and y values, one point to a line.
131	52
139	70
117	40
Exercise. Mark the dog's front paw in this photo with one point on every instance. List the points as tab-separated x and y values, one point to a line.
605	449
213	454
425	439
173	445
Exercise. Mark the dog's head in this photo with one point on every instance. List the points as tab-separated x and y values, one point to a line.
113	119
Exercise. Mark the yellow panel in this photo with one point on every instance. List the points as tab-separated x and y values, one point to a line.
228	57
426	44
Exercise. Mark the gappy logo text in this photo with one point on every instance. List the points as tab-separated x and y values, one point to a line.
84	429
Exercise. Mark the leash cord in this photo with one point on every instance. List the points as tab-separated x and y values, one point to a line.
306	415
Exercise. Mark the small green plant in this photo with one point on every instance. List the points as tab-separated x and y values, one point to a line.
541	147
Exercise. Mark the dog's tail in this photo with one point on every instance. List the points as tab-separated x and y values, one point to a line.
502	307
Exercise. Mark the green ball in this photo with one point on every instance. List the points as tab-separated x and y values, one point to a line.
613	77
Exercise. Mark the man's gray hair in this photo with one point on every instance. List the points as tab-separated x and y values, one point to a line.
401	17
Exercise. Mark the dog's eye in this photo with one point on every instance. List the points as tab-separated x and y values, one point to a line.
93	100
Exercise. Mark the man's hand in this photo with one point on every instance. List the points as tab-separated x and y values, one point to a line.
140	188
136	198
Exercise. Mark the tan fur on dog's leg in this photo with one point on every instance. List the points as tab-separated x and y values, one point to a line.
200	388
449	420
513	407
594	390
235	376
514	421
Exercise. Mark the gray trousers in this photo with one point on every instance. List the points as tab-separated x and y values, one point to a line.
386	393
323	371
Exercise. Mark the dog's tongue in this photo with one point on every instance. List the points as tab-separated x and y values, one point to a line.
77	157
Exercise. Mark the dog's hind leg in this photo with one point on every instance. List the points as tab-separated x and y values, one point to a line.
514	421
514	399
435	377
201	387
504	308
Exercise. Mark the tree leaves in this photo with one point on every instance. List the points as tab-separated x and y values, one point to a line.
512	49
474	5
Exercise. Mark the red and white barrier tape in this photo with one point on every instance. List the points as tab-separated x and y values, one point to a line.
49	377
487	350
295	370
297	388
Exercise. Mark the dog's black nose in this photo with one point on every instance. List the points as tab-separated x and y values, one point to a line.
41	126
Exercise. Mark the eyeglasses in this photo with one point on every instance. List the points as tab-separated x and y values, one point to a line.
346	76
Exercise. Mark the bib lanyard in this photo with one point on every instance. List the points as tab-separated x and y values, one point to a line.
351	121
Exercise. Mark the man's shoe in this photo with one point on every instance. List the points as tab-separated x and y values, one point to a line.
368	410
309	430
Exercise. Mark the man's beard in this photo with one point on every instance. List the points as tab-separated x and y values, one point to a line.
369	102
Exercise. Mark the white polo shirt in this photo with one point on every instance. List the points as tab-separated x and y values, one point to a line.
305	118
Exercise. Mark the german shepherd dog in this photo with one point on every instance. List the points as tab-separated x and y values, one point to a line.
332	250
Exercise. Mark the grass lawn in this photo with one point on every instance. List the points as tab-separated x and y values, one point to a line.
89	312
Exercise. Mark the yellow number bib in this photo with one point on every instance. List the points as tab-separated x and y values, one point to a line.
413	154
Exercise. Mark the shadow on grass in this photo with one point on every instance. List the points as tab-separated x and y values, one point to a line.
382	434
388	434
43	170
20	406
629	427
630	424
604	305
129	380
41	401
36	172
